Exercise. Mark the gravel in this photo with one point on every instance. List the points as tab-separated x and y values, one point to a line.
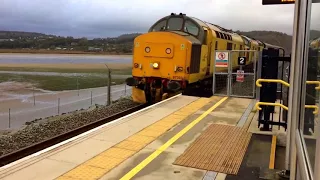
40	130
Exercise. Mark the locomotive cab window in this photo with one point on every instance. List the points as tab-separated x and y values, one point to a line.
191	27
160	26
175	24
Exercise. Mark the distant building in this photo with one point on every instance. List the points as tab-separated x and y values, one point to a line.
94	49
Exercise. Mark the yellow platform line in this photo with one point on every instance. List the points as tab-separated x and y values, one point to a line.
99	165
156	153
273	152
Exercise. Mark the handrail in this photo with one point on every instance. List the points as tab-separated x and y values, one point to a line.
312	107
285	107
316	83
258	82
270	104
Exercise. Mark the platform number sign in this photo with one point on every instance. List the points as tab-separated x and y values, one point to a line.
242	61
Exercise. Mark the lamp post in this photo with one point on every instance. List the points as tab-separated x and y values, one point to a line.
109	85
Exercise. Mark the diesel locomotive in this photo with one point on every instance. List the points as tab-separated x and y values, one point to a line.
177	54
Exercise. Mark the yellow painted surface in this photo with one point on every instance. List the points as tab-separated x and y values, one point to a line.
65	178
100	162
138	95
117	153
112	157
141	139
130	145
155	154
273	152
84	172
150	132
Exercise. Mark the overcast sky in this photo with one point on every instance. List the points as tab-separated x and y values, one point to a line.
108	18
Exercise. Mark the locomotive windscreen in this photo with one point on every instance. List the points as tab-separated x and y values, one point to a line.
177	23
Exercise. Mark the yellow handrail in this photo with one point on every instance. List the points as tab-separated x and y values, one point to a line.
316	83
312	107
270	104
258	82
285	107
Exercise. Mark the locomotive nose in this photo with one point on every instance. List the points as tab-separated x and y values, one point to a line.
159	50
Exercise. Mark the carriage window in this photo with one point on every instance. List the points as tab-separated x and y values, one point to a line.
159	26
241	48
175	23
191	28
229	46
205	37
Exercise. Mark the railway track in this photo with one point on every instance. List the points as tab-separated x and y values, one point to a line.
11	157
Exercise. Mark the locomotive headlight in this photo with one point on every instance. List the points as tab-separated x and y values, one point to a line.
155	65
168	50
180	69
147	49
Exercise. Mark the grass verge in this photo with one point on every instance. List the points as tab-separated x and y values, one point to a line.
59	83
103	70
44	51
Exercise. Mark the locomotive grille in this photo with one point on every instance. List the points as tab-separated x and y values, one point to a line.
195	58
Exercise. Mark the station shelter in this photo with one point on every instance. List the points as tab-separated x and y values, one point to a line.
303	154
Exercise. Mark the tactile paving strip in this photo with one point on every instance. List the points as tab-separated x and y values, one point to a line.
112	157
219	148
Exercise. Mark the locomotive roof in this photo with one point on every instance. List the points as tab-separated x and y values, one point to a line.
217	28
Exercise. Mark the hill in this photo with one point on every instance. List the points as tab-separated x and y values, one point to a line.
272	37
277	38
21	34
120	44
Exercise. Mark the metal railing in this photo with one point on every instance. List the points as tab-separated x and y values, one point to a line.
285	107
259	81
273	104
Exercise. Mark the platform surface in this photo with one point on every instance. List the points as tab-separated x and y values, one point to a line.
145	145
161	167
56	161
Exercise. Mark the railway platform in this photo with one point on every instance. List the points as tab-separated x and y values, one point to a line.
183	137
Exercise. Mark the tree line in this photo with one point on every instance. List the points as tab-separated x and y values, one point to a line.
20	40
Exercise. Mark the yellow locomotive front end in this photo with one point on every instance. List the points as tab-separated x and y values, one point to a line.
161	59
159	64
161	55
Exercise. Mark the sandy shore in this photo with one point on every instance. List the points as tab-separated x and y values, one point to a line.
70	66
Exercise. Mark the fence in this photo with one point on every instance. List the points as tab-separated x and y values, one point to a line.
52	104
233	74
